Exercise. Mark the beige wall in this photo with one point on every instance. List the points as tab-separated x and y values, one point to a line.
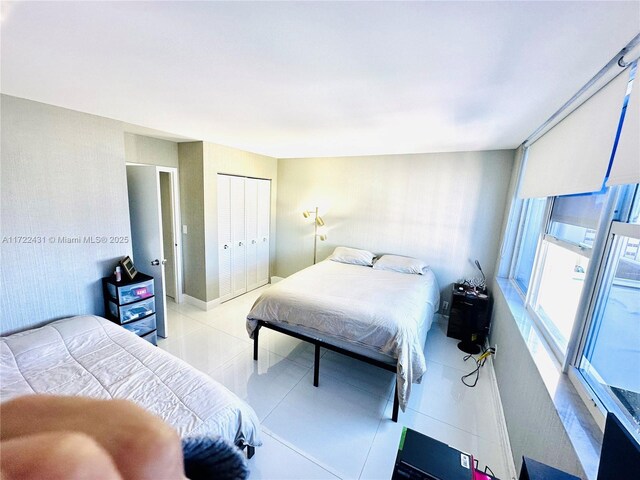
63	175
445	208
151	151
192	209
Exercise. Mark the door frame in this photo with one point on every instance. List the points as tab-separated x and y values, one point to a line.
177	227
177	223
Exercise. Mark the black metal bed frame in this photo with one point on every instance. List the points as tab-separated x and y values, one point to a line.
316	364
251	451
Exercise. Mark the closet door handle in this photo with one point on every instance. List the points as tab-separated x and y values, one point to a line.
239	244
226	246
253	242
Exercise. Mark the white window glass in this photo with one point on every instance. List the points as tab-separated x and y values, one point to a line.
561	282
611	358
534	212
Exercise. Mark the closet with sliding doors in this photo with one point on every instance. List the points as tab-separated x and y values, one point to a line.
244	206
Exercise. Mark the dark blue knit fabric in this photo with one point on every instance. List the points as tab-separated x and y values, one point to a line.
207	458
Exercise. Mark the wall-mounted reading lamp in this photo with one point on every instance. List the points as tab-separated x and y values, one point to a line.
317	223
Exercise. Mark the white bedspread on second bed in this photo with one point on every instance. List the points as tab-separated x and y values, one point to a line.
379	310
92	357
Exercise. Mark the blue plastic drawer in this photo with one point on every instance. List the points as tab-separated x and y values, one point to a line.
151	337
132	311
142	327
131	293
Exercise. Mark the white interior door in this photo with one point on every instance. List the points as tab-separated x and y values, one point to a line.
251	225
224	236
264	220
146	232
238	237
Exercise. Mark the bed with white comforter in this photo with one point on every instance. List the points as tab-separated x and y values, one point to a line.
381	314
93	357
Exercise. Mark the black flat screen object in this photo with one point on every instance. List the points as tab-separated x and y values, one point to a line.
534	470
620	455
424	458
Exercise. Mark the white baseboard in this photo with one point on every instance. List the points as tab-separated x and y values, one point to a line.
276	279
503	433
202	305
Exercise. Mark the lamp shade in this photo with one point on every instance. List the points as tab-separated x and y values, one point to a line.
306	214
319	221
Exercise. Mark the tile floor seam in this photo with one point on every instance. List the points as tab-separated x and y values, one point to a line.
284	396
354	386
343	380
225	364
371	446
482	437
206	324
276	438
446	364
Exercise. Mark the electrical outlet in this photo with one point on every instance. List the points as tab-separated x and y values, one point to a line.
445	306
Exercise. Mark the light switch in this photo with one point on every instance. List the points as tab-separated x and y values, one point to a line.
184	229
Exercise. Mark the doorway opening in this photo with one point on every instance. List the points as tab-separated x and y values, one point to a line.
154	208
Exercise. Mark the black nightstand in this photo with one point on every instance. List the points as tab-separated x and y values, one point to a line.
470	317
132	304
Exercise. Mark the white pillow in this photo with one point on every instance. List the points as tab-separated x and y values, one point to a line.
352	256
396	263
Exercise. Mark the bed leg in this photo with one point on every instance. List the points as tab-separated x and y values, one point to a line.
251	451
255	344
316	366
396	405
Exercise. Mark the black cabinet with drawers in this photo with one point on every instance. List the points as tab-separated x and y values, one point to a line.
470	317
132	304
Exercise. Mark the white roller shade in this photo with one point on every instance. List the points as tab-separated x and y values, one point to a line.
574	155
626	164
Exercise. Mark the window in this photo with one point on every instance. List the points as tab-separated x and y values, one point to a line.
534	209
611	355
563	260
561	282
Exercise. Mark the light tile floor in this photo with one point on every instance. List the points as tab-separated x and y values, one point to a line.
343	428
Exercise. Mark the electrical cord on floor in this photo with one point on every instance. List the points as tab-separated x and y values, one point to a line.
480	361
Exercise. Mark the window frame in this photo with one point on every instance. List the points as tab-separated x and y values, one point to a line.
592	396
615	218
519	243
536	279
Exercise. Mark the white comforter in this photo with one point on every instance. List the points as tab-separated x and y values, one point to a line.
383	312
93	357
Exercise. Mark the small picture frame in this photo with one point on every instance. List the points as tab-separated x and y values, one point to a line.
127	264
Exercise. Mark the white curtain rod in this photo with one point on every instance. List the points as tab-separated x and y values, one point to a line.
621	60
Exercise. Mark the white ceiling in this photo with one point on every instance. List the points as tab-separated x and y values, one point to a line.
315	78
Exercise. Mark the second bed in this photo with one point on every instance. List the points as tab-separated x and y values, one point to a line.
375	315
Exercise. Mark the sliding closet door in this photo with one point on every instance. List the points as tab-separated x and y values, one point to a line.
238	237
224	236
251	222
264	209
